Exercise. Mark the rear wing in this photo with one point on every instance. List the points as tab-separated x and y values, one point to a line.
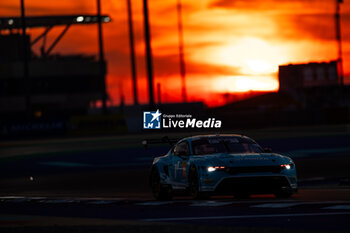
162	140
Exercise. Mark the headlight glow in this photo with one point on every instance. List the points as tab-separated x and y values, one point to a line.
211	169
286	166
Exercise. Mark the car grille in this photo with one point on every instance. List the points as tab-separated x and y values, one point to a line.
254	169
258	184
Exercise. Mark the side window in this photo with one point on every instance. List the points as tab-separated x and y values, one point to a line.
182	149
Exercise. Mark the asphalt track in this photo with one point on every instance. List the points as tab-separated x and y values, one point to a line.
261	211
108	182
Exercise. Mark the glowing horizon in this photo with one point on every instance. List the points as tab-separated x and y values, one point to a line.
230	46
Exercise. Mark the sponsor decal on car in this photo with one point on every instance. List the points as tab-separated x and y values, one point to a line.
183	173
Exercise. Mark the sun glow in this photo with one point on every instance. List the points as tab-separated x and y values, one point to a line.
257	66
245	83
254	62
249	55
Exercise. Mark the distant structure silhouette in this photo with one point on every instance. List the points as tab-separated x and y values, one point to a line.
181	52
294	77
132	53
56	85
339	43
101	58
148	47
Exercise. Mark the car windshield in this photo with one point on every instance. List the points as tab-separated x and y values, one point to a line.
205	146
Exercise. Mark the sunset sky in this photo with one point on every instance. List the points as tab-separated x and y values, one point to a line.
230	46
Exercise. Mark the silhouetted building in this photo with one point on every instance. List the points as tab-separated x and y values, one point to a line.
313	84
57	85
294	77
309	94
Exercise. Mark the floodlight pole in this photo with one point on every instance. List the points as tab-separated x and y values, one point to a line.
148	53
159	91
25	59
181	52
132	52
101	58
338	37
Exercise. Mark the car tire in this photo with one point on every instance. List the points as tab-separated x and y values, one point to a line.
194	186
159	191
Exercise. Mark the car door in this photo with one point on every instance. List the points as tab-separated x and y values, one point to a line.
180	157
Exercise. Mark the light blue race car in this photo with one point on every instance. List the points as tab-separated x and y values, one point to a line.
208	165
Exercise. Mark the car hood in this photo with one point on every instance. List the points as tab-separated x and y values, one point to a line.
235	160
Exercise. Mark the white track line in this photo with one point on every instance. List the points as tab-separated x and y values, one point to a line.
337	207
275	205
155	203
61	201
101	202
243	216
211	203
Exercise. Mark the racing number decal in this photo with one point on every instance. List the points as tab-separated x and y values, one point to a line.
179	166
184	169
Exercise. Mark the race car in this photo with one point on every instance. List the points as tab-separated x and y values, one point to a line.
207	165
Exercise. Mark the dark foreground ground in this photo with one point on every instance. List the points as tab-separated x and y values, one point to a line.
264	213
101	185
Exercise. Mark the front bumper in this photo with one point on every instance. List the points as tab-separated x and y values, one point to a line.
252	185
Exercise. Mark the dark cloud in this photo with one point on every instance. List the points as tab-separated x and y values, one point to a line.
319	27
238	4
268	5
291	18
48	8
172	8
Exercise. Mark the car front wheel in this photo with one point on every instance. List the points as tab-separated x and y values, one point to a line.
194	186
160	192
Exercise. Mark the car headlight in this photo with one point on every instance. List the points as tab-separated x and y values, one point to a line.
211	169
287	166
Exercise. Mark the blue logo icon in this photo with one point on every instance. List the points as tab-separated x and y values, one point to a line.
151	120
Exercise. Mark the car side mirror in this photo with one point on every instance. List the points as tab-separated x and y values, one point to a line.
267	150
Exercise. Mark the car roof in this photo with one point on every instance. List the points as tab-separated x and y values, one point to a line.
215	135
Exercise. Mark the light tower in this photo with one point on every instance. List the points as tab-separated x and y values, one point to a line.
101	58
181	52
338	37
25	58
148	53
132	52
